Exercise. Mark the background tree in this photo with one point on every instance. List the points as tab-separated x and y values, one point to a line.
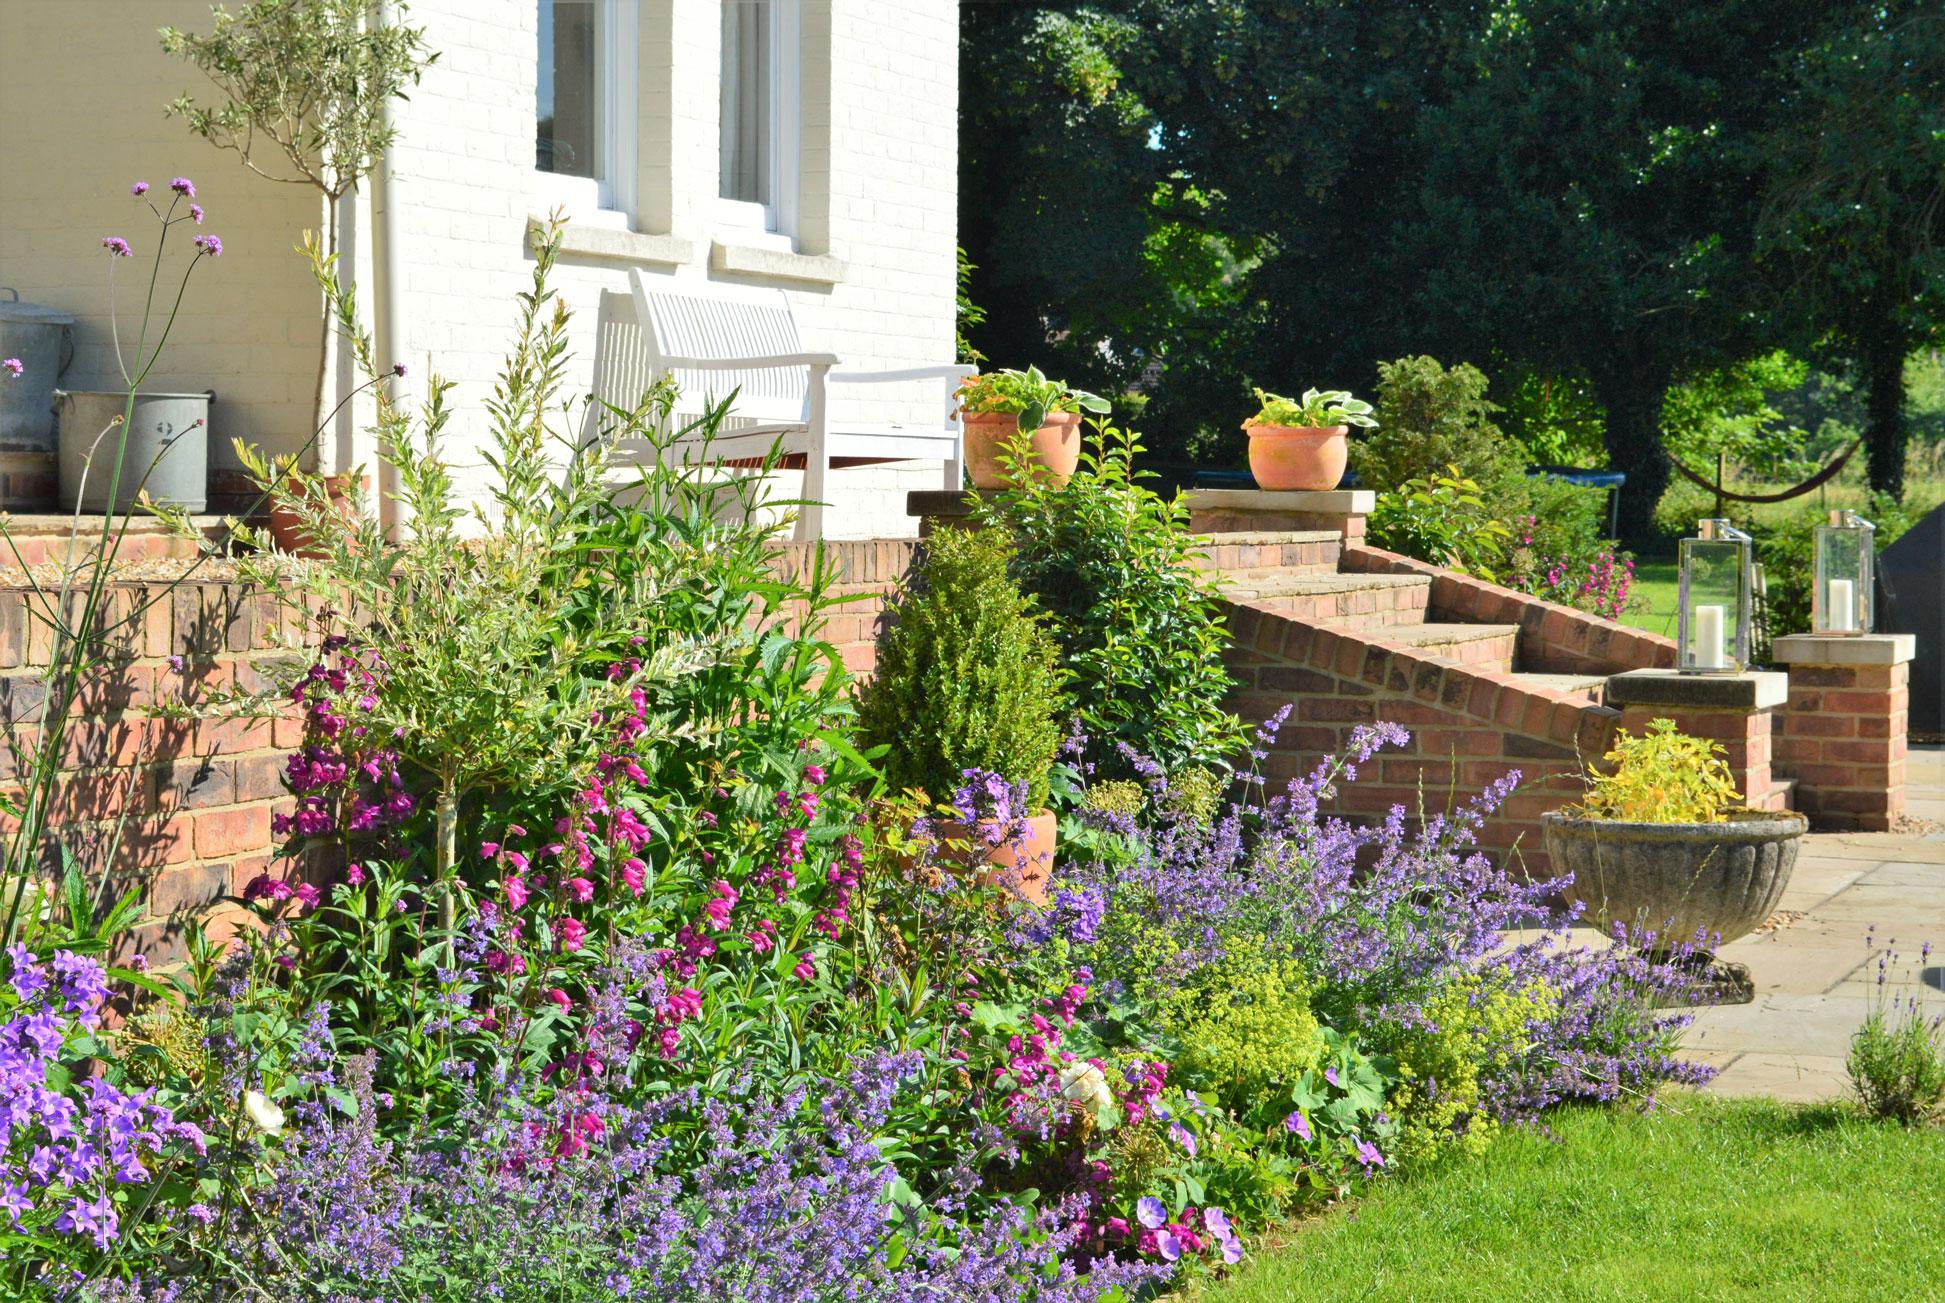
1855	206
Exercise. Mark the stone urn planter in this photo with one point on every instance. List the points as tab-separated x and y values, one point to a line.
1025	861
1287	457
1722	880
1056	446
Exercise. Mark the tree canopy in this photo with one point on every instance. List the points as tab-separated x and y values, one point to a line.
1619	198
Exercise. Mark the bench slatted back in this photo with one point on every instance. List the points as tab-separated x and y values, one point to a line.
675	320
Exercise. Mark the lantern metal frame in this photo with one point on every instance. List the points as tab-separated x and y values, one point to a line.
1719	563
1842	603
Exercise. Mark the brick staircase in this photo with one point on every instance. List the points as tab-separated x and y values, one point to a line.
1486	680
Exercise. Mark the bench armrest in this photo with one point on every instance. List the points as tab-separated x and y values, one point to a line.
950	372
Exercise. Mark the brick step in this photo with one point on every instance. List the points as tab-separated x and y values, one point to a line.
1476	646
1586	686
1346	601
1287	551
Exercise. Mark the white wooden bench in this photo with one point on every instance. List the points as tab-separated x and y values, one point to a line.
723	340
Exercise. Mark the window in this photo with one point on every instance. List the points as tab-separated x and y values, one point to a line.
584	109
759	116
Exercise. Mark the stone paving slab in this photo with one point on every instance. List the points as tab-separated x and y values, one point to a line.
1817	977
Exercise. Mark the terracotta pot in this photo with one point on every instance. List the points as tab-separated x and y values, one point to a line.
1297	457
1056	446
1026	862
287	531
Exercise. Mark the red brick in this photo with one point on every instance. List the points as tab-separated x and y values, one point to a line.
231	831
153	842
1797	724
1511	711
1822	676
1350	657
1862	703
1323	649
1432	773
1414	714
1336	710
1459	741
1824	777
1799	749
188	887
1485	692
1864	753
1857	801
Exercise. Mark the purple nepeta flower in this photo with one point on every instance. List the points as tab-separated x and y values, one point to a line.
210	244
116	246
183	186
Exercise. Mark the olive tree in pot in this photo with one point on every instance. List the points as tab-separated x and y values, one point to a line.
1661	842
965	700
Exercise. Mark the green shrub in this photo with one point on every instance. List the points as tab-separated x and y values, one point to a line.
1443	520
1431	419
1112	562
967	676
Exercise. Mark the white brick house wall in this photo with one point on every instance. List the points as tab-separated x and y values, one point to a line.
82	85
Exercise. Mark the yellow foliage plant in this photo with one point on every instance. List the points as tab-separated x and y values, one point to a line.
1472	1028
1246	1019
1663	776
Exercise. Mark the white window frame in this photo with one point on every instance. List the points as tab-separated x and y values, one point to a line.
608	197
773	225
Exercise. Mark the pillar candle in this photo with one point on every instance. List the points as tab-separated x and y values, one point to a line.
1840	606
1708	638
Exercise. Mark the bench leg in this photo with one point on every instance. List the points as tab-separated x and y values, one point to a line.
817	463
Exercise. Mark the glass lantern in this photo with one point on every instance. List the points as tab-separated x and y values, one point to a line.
1841	602
1712	622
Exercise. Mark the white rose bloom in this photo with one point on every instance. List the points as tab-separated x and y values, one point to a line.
262	1112
1083	1083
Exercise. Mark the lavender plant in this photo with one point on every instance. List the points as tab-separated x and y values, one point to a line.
1896	1063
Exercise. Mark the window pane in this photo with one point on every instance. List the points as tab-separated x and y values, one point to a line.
565	108
747	70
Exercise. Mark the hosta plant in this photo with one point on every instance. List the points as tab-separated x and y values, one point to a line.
1317	409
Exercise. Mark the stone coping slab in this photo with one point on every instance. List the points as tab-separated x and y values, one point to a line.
1753	690
1844	649
1321	502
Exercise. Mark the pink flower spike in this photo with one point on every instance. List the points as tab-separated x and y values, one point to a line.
487	850
580	889
805	970
559	997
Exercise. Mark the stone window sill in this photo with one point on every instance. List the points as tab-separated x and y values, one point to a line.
584	241
749	260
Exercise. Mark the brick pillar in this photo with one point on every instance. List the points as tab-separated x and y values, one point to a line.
1843	733
1245	511
1736	711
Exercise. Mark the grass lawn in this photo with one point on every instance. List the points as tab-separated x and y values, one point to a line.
1704	1199
1656	581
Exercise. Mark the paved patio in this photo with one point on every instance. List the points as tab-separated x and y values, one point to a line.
1815	977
